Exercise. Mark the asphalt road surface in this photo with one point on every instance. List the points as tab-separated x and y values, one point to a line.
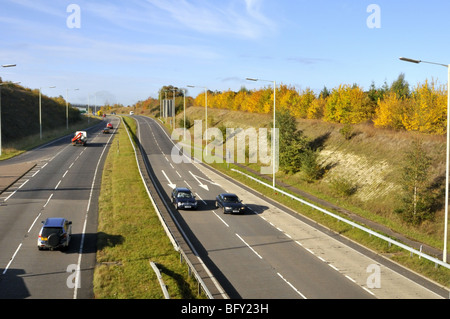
64	183
270	252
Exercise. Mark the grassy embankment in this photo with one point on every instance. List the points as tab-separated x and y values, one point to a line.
130	235
20	119
370	162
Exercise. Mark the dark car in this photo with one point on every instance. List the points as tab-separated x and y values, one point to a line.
183	198
106	130
230	203
55	233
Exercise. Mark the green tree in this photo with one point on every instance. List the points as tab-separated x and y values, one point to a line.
324	93
375	94
291	142
295	152
400	86
417	202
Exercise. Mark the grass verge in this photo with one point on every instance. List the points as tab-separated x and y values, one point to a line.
130	235
422	266
427	268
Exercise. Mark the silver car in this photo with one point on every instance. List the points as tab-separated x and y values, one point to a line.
55	233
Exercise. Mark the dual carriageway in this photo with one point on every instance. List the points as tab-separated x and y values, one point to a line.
267	253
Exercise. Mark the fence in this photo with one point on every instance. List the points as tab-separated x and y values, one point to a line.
365	229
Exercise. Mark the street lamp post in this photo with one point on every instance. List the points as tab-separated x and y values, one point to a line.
184	113
206	114
40	112
165	104
89	106
174	90
67	107
160	106
444	256
273	132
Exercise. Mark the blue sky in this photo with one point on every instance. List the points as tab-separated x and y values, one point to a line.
124	51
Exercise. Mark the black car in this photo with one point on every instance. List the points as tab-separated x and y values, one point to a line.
183	198
230	203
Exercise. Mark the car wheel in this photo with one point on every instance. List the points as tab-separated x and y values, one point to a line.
53	240
217	205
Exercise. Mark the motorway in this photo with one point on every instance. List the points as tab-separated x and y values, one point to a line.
270	251
64	182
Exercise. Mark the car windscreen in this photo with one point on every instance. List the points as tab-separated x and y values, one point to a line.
231	199
184	195
47	231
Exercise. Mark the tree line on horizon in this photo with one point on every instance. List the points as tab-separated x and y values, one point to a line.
398	106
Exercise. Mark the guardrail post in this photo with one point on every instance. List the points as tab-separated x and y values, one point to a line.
158	212
161	281
366	230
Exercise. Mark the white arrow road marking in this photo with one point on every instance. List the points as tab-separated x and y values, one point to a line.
170	183
207	180
198	181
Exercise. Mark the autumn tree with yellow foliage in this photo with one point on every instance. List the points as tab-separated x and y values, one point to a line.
390	111
428	109
423	110
348	104
398	107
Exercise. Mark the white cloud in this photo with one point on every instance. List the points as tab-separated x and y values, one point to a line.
129	15
46	7
103	51
241	18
